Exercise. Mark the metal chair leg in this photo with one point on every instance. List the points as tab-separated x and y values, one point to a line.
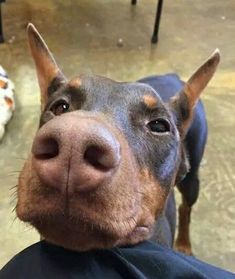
157	22
1	30
133	2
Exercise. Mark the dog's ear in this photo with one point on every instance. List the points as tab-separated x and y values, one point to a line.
183	104
49	75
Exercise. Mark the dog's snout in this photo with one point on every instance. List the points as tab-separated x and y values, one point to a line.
46	148
100	158
75	152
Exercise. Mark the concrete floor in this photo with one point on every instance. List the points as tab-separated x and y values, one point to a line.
83	36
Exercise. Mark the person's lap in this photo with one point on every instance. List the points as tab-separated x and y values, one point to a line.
145	260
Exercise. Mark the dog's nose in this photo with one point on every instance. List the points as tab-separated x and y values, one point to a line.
75	152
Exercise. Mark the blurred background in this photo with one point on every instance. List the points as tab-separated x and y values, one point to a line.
113	38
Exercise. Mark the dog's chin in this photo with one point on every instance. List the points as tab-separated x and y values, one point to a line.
80	235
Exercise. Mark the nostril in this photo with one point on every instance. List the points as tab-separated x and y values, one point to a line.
46	149
98	157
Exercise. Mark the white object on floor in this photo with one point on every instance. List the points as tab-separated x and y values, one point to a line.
7	103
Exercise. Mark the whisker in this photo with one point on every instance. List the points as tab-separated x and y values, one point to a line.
27	229
13	187
11	175
16	171
19	158
13	210
13	195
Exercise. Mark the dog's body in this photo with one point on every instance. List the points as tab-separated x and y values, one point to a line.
107	156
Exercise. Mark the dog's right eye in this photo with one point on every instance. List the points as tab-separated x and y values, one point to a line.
60	107
159	126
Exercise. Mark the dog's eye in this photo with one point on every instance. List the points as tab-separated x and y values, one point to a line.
159	125
60	108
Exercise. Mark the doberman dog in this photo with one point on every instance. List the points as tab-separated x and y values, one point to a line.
108	154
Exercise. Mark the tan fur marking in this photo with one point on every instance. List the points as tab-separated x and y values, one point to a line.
191	96
75	82
182	243
154	196
150	101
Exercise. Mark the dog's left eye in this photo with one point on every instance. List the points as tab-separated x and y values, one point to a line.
159	125
60	108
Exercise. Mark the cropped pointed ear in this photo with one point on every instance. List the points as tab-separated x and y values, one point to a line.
184	102
50	77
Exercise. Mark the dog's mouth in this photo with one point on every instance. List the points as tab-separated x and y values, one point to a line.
87	229
81	221
76	214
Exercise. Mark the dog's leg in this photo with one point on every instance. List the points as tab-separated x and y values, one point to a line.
195	142
189	189
183	243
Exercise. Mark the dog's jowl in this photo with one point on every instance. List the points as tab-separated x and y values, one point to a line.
107	154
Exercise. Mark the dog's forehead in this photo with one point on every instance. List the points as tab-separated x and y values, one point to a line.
106	89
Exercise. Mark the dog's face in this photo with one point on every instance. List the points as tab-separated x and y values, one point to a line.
105	156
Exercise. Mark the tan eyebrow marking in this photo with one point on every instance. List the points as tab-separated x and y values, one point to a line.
150	101
75	82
